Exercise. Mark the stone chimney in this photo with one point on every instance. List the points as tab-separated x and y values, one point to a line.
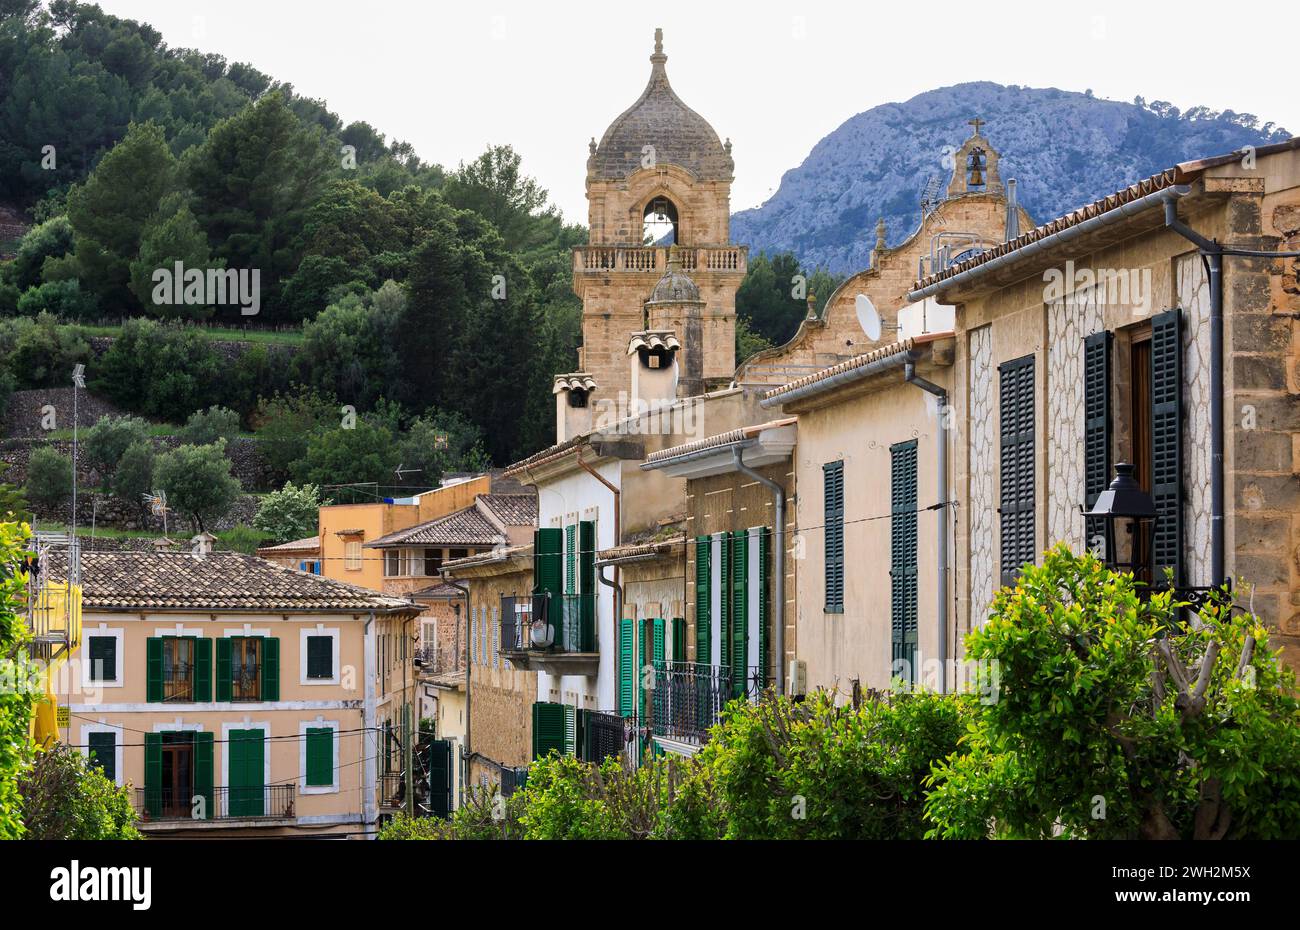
573	404
653	357
201	545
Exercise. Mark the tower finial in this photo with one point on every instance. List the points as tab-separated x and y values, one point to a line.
659	41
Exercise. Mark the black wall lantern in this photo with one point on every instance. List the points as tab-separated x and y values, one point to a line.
1127	513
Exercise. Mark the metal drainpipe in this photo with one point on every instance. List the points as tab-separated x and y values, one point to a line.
778	499
911	377
464	766
618	540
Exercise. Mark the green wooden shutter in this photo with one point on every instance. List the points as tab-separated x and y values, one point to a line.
658	659
548	546
270	668
703	598
638	693
570	562
1016	407
764	603
153	669
223	671
739	658
247	750
203	765
102	750
320	756
726	602
1096	428
203	669
153	774
1167	443
679	639
833	534
626	667
587	585
570	730
548	729
903	560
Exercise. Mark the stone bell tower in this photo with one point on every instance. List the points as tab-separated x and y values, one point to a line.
659	180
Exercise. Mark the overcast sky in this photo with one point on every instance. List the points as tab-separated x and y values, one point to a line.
452	78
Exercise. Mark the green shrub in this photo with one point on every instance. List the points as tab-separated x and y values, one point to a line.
198	482
49	479
103	445
64	797
64	299
133	477
289	513
207	426
243	539
16	703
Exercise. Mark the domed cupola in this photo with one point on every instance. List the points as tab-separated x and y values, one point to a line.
674	133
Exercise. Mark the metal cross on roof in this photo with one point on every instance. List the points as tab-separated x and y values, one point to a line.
977	123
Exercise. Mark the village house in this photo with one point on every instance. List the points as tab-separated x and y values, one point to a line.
235	696
302	554
1155	328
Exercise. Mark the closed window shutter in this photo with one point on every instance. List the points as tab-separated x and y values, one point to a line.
320	756
102	749
626	667
570	563
703	599
548	545
1096	428
223	670
679	639
270	668
153	669
203	770
903	560
638	693
833	534
1166	443
473	634
153	774
657	657
1016	407
203	669
320	657
548	729
103	658
739	613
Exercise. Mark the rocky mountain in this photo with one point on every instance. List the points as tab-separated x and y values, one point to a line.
1065	149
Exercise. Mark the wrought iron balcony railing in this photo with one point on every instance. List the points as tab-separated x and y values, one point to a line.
239	803
688	698
549	623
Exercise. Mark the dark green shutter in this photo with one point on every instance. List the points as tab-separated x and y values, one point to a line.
548	546
202	669
223	671
679	639
1096	428
726	601
548	729
320	756
1016	408
739	646
247	750
1166	443
570	730
703	598
903	558
270	668
102	750
570	562
320	657
153	669
587	585
102	652
626	667
657	657
153	774
203	765
833	534
638	693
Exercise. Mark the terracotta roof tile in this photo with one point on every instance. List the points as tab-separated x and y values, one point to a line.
465	527
512	509
218	581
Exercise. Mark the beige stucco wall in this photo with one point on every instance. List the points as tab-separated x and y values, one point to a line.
125	709
859	428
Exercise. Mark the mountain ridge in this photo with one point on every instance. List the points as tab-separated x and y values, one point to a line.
1064	148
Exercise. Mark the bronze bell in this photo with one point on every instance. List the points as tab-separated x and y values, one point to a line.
975	165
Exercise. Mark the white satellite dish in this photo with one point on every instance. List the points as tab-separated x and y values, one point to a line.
868	317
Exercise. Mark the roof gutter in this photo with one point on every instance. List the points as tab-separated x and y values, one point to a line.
1109	218
879	366
710	452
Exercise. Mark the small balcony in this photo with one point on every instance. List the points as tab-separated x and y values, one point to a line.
554	633
650	259
688	700
167	808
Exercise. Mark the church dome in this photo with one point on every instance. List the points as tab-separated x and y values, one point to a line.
675	287
680	136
